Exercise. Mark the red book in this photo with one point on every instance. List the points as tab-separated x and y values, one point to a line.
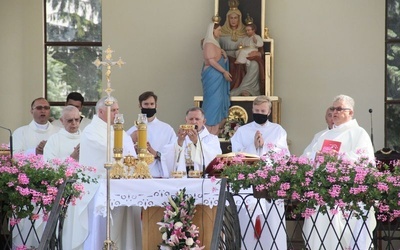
329	145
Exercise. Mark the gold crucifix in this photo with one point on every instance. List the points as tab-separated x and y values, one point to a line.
109	63
108	243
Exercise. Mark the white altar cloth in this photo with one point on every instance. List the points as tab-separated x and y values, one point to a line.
154	192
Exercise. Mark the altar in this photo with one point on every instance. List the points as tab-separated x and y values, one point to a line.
150	194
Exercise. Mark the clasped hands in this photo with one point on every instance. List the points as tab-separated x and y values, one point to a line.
191	133
40	147
258	140
75	154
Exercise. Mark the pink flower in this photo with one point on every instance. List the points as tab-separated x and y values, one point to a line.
308	213
281	193
382	186
274	178
23	179
34	217
334	191
14	222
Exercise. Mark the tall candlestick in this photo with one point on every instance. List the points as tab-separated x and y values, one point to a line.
142	134
117	138
118	135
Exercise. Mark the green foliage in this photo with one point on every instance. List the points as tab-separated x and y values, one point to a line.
29	183
330	183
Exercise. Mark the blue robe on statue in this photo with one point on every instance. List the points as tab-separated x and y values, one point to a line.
216	100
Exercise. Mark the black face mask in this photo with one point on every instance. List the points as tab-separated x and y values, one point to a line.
149	112
260	118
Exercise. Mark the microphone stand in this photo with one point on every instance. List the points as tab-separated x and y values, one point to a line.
11	141
372	133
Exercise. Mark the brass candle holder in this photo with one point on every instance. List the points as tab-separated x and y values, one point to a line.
195	173
178	174
144	157
117	170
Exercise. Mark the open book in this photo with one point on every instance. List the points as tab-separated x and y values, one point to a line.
250	158
245	155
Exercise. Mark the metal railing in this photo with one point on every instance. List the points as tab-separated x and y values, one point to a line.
51	238
245	222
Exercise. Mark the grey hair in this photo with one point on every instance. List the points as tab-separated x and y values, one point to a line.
102	102
262	99
68	109
346	99
195	109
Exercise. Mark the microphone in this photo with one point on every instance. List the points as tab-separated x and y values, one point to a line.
201	150
11	140
372	133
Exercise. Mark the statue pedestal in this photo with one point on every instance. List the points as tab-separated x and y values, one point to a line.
246	102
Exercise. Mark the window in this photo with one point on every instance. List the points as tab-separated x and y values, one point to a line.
392	82
73	33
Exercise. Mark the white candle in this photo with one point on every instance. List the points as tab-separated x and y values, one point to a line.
216	7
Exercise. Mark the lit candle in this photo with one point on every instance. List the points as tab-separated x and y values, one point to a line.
118	138
142	136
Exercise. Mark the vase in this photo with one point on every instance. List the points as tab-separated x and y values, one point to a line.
260	194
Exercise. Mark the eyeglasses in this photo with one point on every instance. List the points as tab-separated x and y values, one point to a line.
338	109
76	120
42	107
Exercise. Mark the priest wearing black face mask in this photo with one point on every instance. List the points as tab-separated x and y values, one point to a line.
254	137
159	134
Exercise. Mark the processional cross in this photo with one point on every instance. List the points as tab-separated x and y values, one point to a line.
108	243
108	63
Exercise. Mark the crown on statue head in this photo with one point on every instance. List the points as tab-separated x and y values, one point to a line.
216	18
233	4
248	20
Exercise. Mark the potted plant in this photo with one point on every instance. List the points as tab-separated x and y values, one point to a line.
176	227
30	185
329	183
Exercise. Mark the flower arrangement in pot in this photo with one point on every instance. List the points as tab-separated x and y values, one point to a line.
176	227
30	185
329	183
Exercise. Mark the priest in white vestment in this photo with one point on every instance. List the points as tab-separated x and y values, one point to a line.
90	228
159	135
32	138
195	147
256	138
65	143
75	99
355	142
329	122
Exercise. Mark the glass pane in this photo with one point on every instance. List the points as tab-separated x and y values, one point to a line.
393	126
393	19
73	21
392	71
71	69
